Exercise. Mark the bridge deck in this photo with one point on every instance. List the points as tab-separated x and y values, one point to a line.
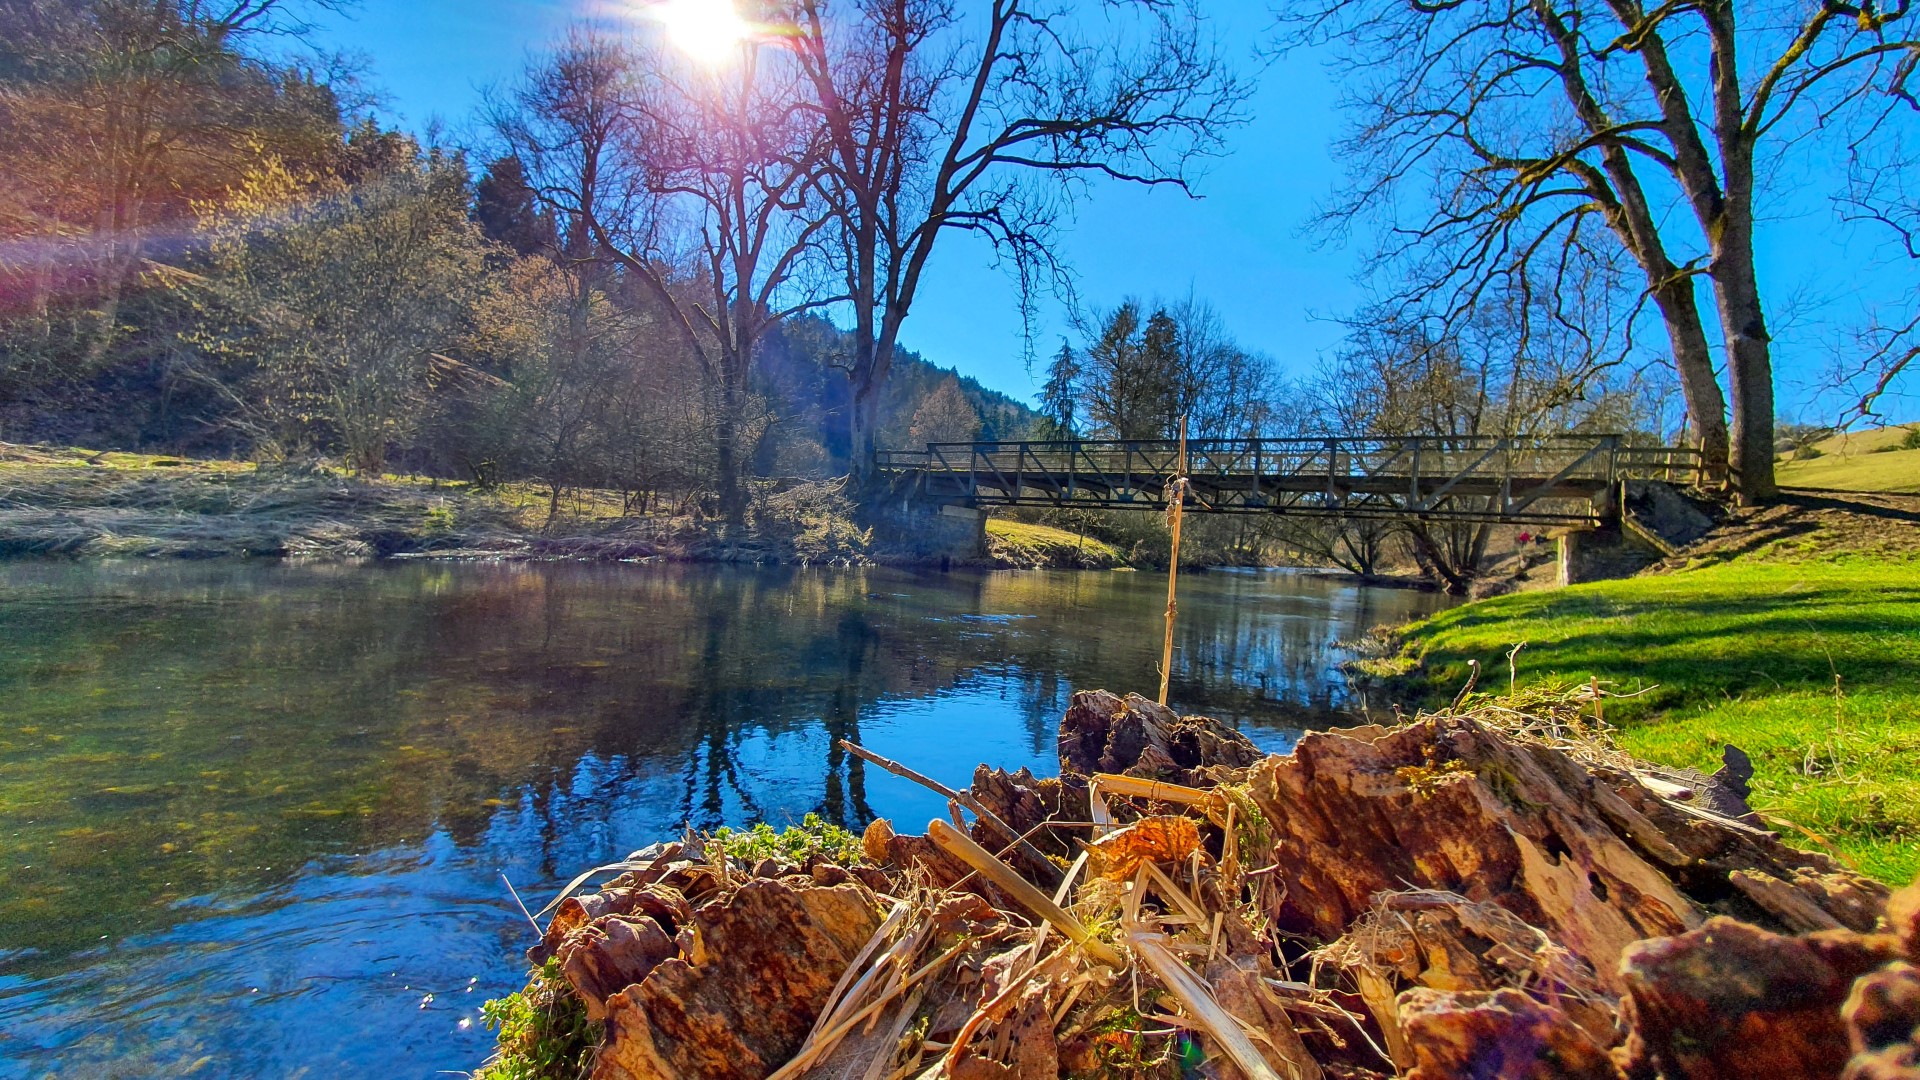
1550	480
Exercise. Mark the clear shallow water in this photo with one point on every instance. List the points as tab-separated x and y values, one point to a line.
254	817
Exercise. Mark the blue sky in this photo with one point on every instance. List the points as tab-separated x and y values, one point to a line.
1240	246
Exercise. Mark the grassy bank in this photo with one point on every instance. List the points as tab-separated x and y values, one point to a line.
1023	544
70	501
1804	651
1884	459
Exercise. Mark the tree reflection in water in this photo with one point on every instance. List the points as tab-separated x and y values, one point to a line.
243	749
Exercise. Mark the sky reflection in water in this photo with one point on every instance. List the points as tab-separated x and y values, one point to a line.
254	817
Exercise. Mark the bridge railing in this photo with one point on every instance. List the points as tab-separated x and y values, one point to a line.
1604	457
1499	477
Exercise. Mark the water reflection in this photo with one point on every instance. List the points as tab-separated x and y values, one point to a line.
252	816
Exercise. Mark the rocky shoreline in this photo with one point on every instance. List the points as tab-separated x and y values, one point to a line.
1491	891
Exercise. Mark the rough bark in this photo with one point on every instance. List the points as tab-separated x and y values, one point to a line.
1585	852
1730	1001
1502	1035
1133	736
740	1000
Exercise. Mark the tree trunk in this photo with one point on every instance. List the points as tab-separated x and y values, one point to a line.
1749	347
863	415
1706	405
1434	559
725	456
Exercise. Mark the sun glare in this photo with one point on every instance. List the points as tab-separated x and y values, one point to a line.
707	30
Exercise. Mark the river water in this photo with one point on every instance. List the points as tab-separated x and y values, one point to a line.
254	818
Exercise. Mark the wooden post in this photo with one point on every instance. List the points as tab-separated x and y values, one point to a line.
1179	493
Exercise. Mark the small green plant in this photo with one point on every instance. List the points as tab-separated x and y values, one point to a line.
1123	1047
1911	440
439	519
544	1031
813	836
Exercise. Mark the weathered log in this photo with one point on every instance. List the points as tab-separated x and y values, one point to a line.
1506	901
1502	1035
662	902
1136	737
1882	1014
1581	850
1027	803
610	954
1730	1001
1443	941
740	1002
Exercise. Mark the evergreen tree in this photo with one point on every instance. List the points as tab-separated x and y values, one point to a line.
1161	362
505	209
1060	396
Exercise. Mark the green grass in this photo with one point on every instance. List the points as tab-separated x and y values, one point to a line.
1878	460
1021	543
1811	666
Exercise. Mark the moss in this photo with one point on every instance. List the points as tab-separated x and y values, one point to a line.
1427	778
544	1033
1122	1048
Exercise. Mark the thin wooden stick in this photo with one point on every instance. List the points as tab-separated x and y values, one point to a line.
1152	950
811	1051
1378	995
1174	507
857	969
965	799
1174	894
962	847
1141	788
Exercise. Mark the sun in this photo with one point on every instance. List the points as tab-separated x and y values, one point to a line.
707	30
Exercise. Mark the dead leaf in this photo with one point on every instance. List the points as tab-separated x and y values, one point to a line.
1169	838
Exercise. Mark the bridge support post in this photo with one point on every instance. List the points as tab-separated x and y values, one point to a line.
1645	521
929	530
1599	555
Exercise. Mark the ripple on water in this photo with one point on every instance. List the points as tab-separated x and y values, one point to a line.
256	814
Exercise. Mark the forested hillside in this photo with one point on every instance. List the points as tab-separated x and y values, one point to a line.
213	251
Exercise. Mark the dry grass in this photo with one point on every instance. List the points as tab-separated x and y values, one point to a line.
63	501
1881	460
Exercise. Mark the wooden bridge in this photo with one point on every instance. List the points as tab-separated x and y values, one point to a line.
1551	480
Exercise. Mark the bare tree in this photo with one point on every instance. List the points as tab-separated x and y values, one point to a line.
945	416
1546	128
699	181
1880	195
984	122
1497	373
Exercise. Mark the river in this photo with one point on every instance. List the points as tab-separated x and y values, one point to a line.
256	818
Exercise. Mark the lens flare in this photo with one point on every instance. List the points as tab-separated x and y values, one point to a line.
707	30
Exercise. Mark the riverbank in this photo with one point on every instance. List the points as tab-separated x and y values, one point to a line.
1792	632
77	502
1488	891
